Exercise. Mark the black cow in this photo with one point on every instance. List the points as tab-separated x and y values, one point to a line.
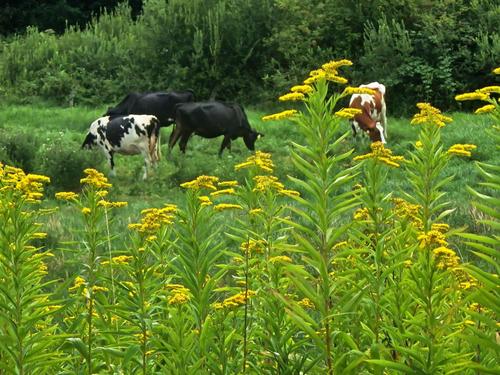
209	120
159	104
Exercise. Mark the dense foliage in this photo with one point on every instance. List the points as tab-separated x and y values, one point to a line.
335	277
250	50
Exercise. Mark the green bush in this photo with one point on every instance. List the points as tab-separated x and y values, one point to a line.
18	149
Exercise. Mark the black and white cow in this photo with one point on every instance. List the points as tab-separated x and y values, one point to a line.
128	135
212	119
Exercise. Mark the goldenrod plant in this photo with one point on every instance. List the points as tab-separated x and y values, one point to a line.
483	309
29	337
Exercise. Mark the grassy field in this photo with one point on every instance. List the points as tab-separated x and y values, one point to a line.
47	140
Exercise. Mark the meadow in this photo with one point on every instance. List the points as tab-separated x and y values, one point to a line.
317	254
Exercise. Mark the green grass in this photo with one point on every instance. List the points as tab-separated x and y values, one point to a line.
53	129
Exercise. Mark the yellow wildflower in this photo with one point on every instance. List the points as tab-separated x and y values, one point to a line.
333	65
289	193
39	235
97	288
280	259
445	258
477	95
201	182
291	96
432	237
357	90
205	200
339	245
461	149
66	195
348	113
280	115
227	183
261	160
418	144
304	89
440	227
380	153
222	192
255	211
361	214
430	114
178	298
79	281
238	299
307	303
496	70
154	218
264	183
86	210
122	259
485	109
253	246
95	179
108	204
490	89
227	206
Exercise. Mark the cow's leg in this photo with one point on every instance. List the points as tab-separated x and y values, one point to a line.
174	137
381	130
147	164
226	142
353	127
383	119
111	161
184	139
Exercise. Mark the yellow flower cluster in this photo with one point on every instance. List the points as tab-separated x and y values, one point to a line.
485	109
201	182
66	196
29	186
253	246
304	89
265	183
280	259
223	192
496	70
280	115
154	218
235	301
292	96
95	179
205	200
357	90
307	303
490	90
408	210
430	114
348	113
227	183
445	258
440	227
361	214
382	154
261	160
461	149
289	193
79	281
121	259
108	204
432	237
477	95
329	72
227	206
180	294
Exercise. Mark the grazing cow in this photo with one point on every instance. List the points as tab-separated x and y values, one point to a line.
159	104
373	118
212	119
128	135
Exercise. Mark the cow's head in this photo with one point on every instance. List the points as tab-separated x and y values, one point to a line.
90	140
250	139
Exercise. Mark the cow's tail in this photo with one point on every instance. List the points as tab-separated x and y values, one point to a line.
154	142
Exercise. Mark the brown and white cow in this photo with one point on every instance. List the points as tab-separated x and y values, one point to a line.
128	135
372	120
